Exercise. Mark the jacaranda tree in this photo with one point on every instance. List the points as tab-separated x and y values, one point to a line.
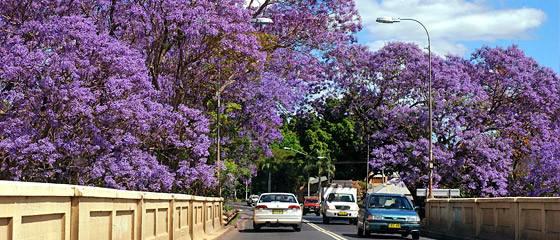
123	93
495	117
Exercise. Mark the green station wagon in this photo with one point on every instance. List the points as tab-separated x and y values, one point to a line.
388	213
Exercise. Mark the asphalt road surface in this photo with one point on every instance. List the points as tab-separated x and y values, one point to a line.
311	229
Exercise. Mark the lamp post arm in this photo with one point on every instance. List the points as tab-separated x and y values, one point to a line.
421	24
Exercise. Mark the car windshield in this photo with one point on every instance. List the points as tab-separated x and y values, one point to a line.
277	198
389	202
311	200
341	197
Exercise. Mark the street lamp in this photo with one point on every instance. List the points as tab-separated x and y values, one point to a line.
430	151
319	181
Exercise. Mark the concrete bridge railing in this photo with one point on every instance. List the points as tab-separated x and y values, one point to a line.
494	218
67	212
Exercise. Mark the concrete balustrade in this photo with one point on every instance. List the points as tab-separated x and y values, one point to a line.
30	211
494	218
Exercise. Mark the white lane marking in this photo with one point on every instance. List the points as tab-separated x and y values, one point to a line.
320	229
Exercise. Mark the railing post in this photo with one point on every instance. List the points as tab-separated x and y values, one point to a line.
221	212
478	217
204	216
172	219
140	217
74	217
516	223
543	220
191	218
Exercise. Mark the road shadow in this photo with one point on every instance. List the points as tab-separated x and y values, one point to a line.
267	230
319	221
373	236
331	223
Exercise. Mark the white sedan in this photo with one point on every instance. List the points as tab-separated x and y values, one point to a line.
276	210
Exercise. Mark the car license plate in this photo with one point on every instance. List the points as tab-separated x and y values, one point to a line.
342	214
394	225
277	211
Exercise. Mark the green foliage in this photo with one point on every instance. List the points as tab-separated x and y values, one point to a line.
331	133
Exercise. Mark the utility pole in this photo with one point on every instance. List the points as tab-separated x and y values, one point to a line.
269	177
246	189
367	166
218	110
308	185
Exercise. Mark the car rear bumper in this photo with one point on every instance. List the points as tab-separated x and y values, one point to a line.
339	214
277	220
311	209
383	227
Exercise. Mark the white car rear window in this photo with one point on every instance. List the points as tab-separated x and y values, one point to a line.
278	198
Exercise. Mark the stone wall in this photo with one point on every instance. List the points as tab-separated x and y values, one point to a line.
493	218
57	211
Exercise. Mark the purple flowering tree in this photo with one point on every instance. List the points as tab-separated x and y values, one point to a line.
78	107
122	93
495	116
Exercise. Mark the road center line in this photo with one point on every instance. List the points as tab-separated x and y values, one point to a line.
327	232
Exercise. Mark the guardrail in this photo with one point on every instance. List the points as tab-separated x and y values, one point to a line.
57	211
493	218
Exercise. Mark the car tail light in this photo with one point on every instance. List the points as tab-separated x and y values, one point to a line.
294	207
261	207
370	218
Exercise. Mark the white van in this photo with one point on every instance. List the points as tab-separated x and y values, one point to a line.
339	203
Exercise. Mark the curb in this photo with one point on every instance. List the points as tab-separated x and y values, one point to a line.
233	216
217	235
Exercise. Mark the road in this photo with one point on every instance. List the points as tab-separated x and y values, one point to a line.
312	229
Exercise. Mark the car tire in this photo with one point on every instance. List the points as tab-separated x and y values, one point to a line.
257	227
326	220
353	221
297	228
404	235
415	235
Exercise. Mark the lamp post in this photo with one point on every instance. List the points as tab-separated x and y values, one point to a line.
257	21
319	182
269	177
430	147
246	189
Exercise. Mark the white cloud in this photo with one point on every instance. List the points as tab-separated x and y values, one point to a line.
448	21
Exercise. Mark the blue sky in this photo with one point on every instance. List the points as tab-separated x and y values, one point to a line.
460	26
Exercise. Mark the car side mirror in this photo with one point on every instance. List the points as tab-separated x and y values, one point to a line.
416	208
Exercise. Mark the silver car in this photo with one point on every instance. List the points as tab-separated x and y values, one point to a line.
252	200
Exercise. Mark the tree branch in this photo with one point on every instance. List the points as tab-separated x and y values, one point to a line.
261	8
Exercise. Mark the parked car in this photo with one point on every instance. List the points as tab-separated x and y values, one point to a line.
277	210
311	204
388	213
340	203
252	200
